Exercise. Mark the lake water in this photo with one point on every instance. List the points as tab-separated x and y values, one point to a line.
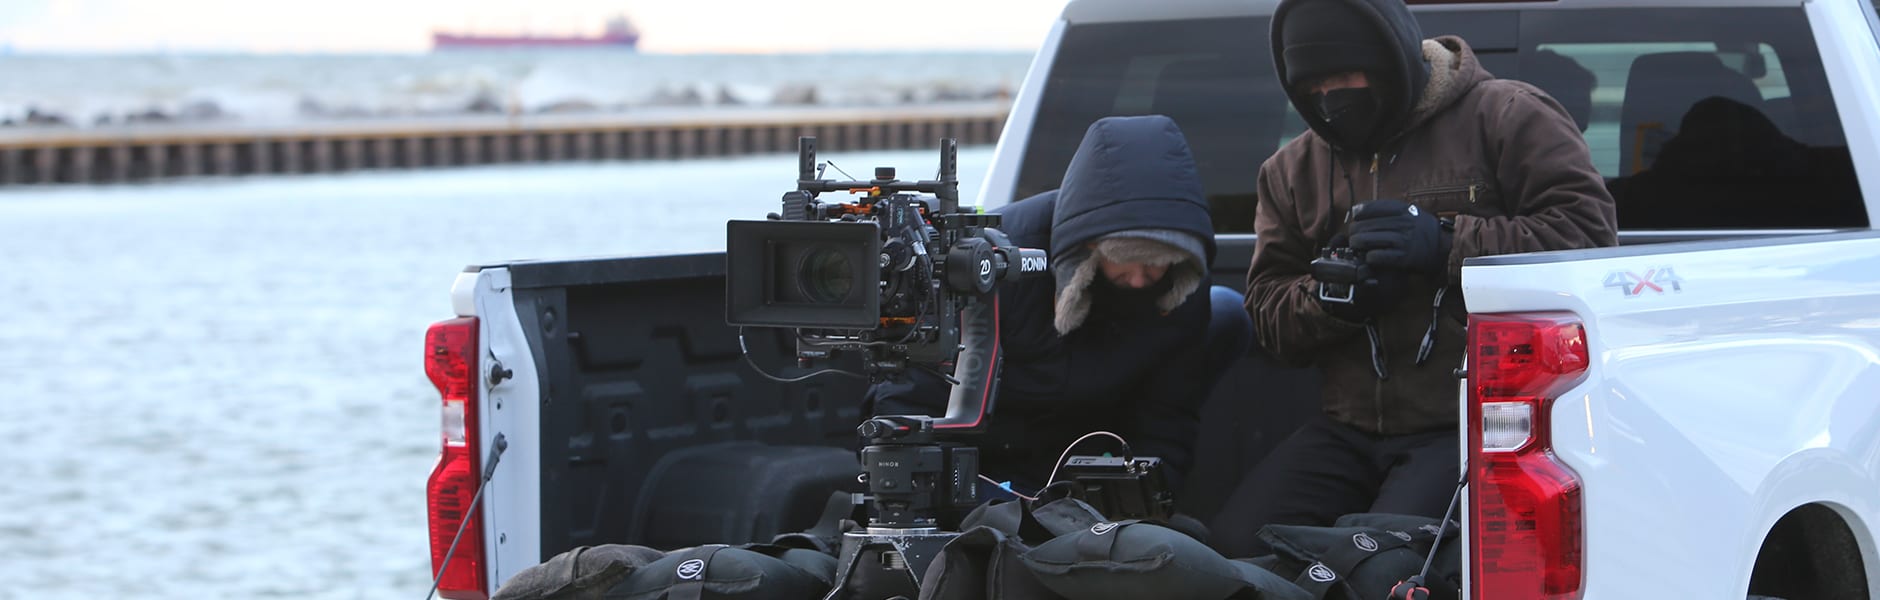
212	387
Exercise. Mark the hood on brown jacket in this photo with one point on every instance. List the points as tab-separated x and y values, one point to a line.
1316	37
1502	159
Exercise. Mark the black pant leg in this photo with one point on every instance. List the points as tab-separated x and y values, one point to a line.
1422	470
1323	470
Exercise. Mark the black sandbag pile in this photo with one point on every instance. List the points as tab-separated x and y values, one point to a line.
713	572
1362	556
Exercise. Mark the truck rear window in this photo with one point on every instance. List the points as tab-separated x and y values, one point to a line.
1713	118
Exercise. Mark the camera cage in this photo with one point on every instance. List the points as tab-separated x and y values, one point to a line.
904	278
899	275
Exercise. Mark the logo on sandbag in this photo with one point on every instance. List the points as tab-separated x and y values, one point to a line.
691	569
1321	573
1102	528
1364	542
1401	535
1432	529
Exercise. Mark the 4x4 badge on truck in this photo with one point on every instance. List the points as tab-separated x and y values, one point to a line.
1655	280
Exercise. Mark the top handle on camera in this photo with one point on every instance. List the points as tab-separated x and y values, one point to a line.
946	188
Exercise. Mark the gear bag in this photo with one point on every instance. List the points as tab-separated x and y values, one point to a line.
983	564
985	561
583	573
1133	559
1362	556
753	571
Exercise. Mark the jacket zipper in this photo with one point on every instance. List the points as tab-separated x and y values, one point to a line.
1471	188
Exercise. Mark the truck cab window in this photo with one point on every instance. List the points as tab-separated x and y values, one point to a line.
1700	119
1214	77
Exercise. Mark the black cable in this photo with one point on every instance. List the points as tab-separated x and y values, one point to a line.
1380	357
1444	526
1429	335
832	165
1409	589
489	471
1127	454
746	352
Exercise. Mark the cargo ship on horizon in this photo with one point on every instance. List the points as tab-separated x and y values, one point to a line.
620	33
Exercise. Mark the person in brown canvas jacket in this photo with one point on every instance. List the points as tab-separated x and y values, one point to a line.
1442	162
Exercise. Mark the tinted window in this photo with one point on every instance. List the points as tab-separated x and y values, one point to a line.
1713	118
1213	77
1763	149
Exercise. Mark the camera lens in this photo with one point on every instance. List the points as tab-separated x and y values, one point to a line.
825	275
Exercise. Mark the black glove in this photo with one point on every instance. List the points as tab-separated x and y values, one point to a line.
1377	292
1393	235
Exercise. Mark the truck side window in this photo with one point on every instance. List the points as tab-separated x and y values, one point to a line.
1715	118
1214	77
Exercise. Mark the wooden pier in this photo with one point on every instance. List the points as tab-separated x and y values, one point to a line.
142	153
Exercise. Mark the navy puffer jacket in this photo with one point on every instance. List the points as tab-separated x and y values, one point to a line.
1140	378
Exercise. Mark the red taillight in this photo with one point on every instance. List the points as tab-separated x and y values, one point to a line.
450	359
1526	535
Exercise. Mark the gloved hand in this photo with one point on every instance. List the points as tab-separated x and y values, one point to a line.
1394	235
1379	292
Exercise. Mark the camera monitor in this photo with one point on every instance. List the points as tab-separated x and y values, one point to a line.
808	274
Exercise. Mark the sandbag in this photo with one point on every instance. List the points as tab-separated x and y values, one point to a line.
753	571
1061	508
983	564
1363	555
1058	509
1445	577
583	573
1131	559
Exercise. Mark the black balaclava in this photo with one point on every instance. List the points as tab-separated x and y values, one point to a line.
1316	38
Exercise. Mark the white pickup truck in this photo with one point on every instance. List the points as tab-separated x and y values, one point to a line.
1692	414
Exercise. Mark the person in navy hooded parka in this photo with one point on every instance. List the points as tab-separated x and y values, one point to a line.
1126	336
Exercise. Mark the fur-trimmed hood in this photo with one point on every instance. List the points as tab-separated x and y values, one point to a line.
1131	193
1159	247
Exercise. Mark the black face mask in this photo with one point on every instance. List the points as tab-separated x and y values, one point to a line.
1111	301
1351	114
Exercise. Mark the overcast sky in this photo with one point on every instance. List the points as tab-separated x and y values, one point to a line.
406	25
